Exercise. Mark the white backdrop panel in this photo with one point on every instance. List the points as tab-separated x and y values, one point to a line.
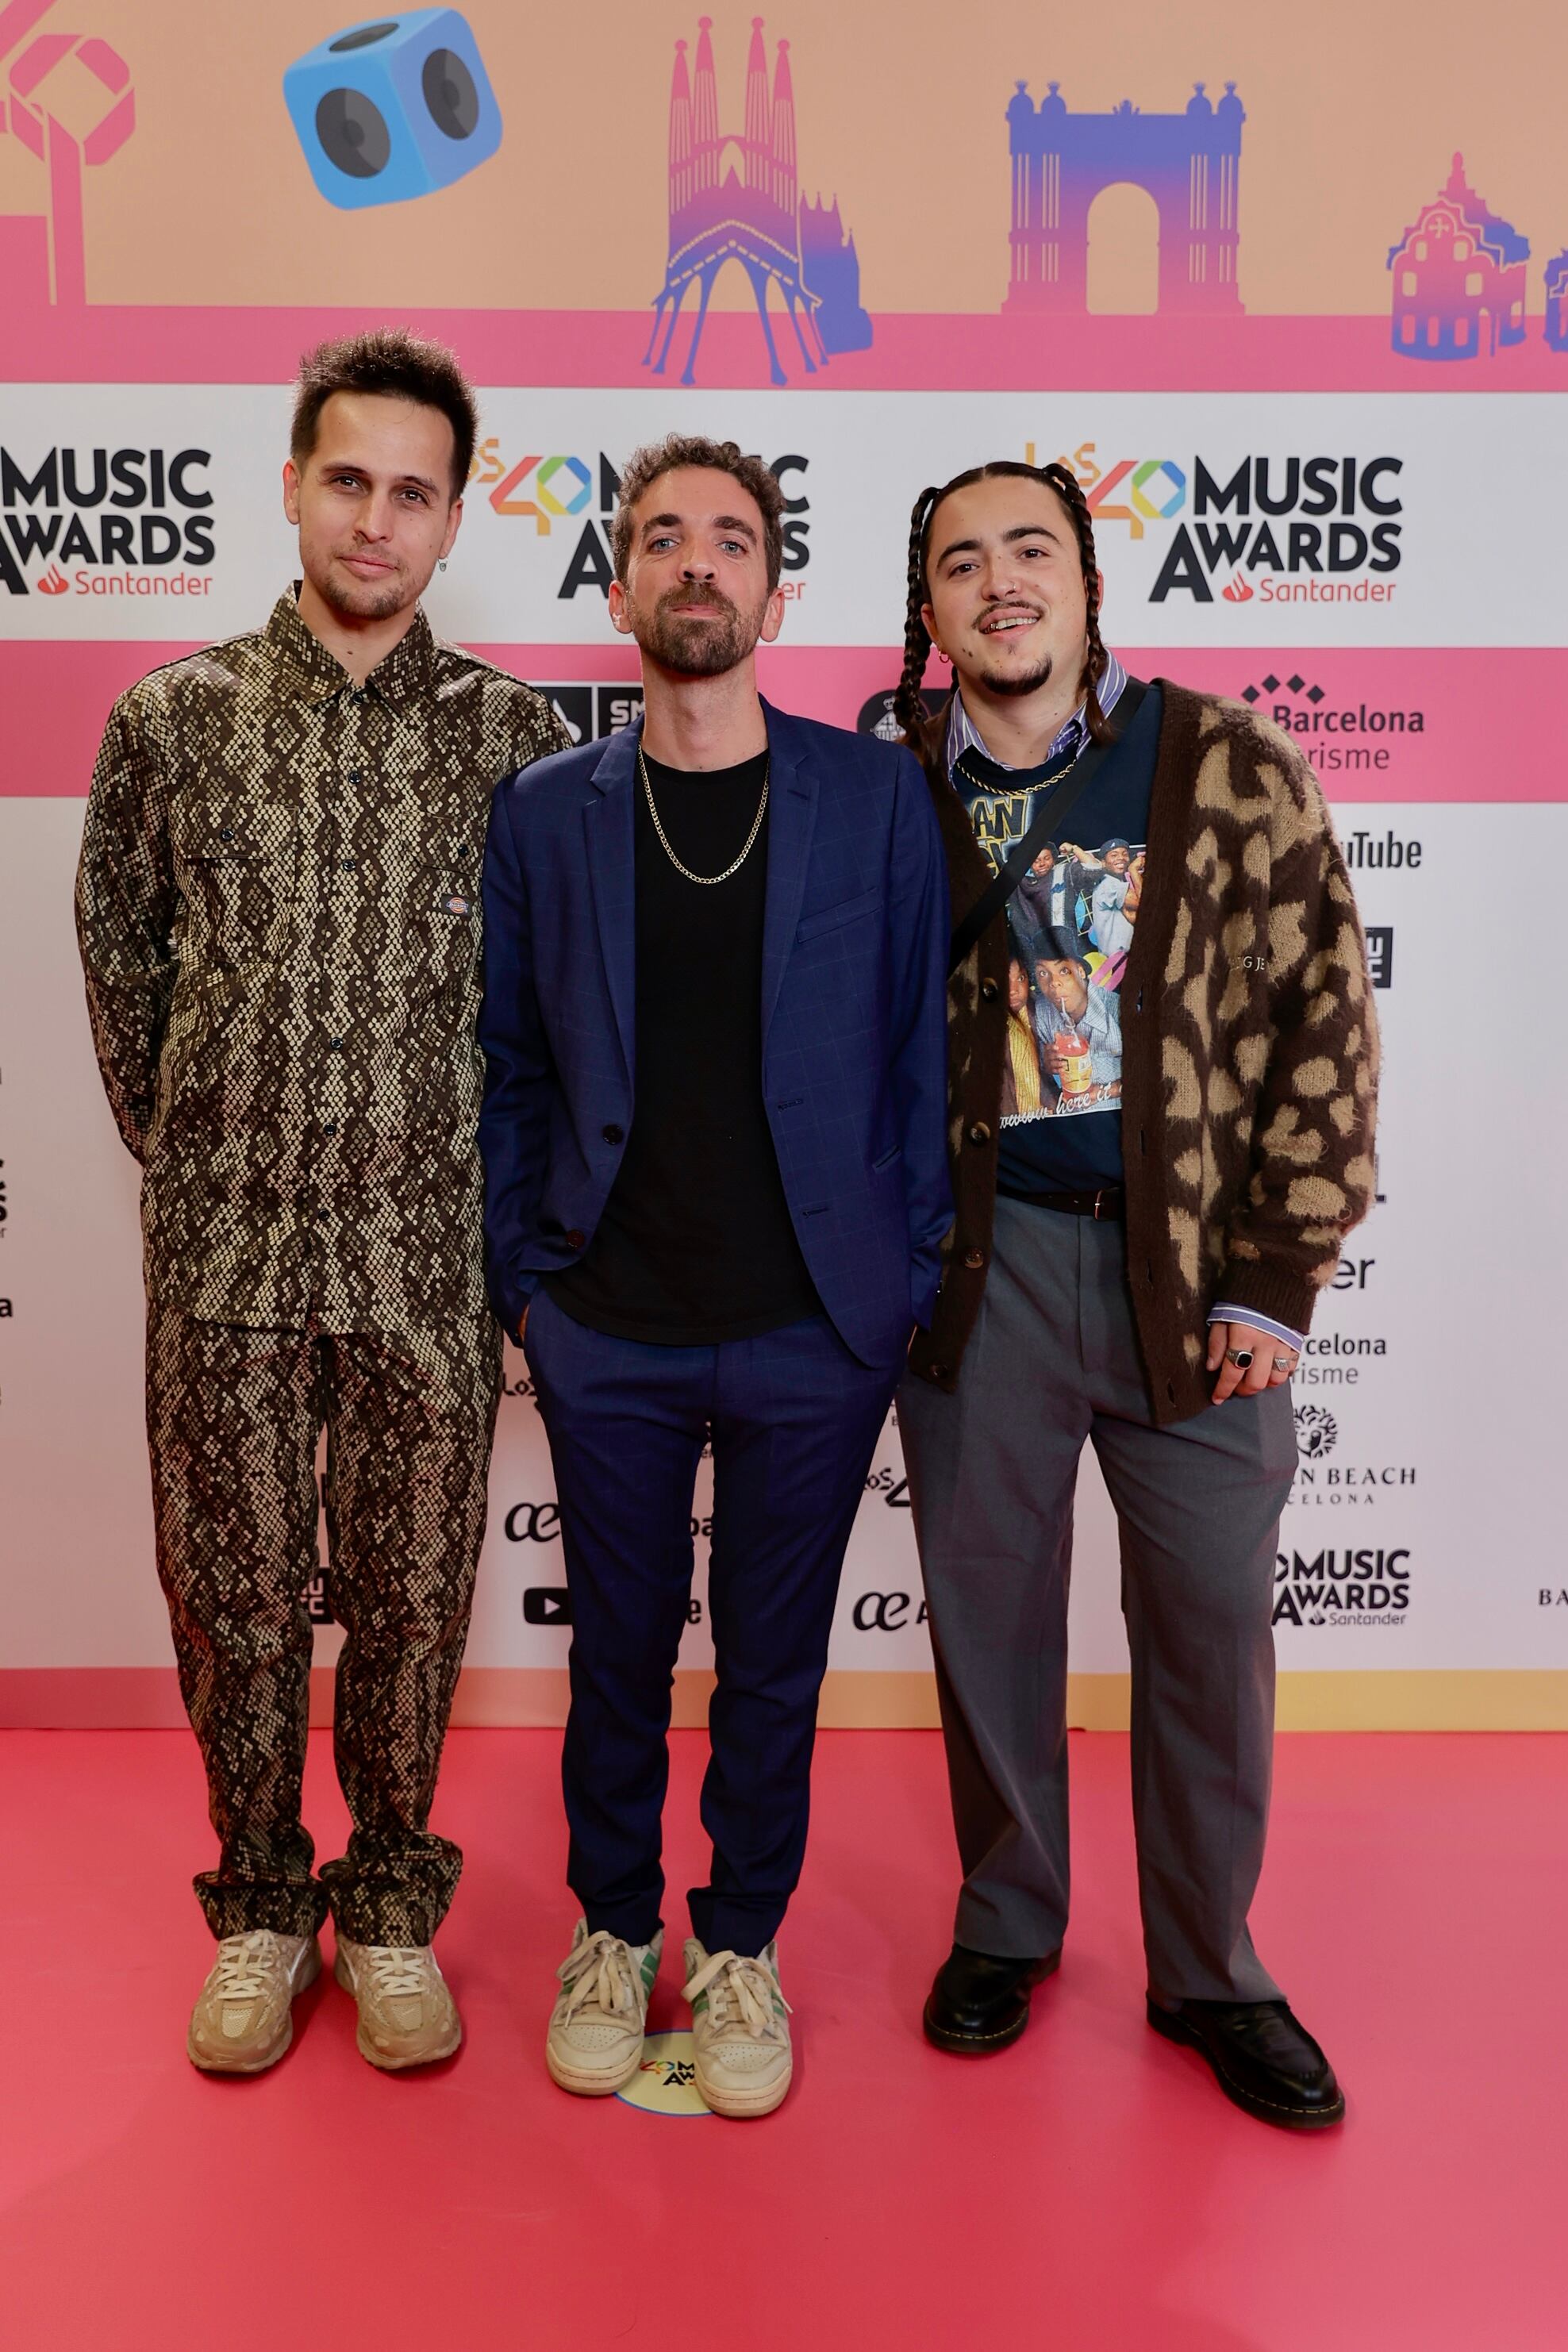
1428	1399
1460	557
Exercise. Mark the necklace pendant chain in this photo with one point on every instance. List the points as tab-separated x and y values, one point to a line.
1046	784
707	880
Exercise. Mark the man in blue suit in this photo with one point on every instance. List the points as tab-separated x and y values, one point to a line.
714	1144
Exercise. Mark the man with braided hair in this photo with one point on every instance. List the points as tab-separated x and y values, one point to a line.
1140	1273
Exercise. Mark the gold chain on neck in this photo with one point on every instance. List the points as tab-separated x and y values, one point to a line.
706	879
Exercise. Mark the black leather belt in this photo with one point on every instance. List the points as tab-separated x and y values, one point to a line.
1110	1201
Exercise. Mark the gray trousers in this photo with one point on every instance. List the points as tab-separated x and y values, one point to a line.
1054	1360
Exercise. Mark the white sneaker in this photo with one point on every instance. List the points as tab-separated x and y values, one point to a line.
406	2013
739	2030
595	2042
244	2021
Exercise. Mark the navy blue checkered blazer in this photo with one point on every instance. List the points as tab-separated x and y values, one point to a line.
853	1011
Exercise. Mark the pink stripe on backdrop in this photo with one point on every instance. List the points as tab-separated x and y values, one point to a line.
1424	723
972	351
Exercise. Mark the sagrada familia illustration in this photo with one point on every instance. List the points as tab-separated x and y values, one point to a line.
736	197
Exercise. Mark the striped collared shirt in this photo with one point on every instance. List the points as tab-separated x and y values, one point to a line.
1073	734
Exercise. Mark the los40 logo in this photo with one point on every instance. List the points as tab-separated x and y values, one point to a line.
1151	489
558	488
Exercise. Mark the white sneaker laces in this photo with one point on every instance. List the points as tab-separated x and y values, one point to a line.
398	1971
749	1983
599	1973
242	1970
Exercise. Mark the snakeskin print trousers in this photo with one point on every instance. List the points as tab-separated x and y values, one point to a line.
232	1418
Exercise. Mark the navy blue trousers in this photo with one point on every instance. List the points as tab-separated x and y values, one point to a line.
793	1419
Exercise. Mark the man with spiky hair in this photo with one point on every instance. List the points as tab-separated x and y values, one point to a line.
1138	1242
278	913
716	1189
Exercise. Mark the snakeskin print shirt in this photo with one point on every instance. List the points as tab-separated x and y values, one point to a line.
278	908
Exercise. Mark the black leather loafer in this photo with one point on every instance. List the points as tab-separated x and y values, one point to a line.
1263	2059
979	2004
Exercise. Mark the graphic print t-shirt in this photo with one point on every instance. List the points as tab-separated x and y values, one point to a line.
1070	926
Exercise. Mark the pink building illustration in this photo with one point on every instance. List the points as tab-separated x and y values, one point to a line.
1189	163
1458	278
1557	301
736	197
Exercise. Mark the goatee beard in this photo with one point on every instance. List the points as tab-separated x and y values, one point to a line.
1027	684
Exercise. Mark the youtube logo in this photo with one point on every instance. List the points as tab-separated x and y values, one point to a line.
546	1605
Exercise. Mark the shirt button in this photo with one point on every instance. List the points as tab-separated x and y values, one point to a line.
228	833
349	863
980	1132
356	775
576	1240
614	1134
336	1044
331	1127
989	991
974	1259
936	1371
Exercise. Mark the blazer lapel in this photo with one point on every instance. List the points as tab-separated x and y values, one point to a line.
609	830
792	815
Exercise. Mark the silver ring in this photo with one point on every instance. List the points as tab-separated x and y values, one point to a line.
1284	1363
1239	1357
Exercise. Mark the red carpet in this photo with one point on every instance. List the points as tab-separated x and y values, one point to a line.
1090	2190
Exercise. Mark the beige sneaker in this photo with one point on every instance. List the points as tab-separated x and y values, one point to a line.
595	2042
739	2030
244	2021
406	2013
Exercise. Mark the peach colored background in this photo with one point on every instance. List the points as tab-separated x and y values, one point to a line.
1353	108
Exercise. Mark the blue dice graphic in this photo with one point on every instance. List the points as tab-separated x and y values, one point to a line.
393	108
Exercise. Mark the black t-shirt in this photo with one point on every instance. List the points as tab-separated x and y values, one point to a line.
696	1244
1070	924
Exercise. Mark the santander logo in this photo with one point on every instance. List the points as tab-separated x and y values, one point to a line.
53	584
1238	591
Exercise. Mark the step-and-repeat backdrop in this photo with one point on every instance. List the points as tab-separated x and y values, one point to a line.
1295	309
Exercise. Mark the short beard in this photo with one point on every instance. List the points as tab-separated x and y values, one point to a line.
1027	684
361	602
696	648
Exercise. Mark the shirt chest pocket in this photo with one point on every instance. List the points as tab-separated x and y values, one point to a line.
444	918
236	869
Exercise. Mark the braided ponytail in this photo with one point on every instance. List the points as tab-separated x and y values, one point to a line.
908	709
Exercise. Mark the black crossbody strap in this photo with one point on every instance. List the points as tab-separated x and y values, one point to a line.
1048	820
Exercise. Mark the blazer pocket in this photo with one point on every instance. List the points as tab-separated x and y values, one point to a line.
832	918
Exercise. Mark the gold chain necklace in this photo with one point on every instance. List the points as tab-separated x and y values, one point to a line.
706	879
